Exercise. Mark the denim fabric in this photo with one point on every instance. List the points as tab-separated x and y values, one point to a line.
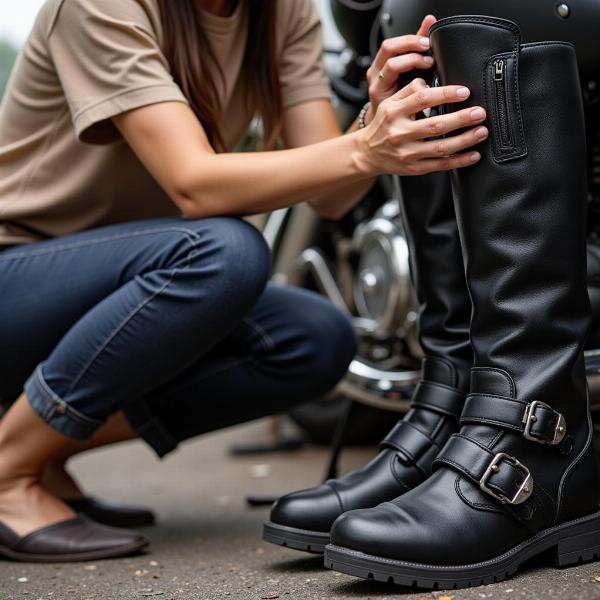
171	321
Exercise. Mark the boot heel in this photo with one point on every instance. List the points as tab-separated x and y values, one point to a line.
578	548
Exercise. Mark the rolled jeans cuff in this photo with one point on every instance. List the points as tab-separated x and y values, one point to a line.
55	411
149	427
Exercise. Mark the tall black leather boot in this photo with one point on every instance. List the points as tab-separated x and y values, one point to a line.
302	520
520	477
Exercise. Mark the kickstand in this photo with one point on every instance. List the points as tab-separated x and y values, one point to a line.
337	445
339	439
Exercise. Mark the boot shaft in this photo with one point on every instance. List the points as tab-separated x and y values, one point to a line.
437	271
522	218
522	209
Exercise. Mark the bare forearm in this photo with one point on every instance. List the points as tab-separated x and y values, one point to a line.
249	183
335	203
170	142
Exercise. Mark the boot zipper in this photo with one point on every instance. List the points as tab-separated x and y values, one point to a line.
502	109
435	82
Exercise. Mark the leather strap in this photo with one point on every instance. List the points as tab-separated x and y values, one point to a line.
499	475
537	421
409	441
438	398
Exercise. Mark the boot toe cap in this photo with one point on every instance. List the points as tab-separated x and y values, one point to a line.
430	524
367	531
314	509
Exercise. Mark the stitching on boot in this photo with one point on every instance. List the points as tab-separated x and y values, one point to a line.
506	374
512	154
571	468
452	370
478	505
499	23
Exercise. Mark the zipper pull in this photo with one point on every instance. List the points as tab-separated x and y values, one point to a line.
436	80
499	70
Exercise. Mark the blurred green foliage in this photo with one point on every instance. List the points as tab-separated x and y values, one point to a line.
8	53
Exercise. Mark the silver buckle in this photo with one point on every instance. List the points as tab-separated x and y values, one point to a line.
525	489
529	419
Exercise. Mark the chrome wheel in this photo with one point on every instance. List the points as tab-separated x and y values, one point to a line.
367	275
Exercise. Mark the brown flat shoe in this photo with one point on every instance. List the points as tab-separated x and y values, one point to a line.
111	513
75	540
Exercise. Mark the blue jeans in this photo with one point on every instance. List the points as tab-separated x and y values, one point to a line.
171	321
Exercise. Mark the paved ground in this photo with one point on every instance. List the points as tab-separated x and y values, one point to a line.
207	545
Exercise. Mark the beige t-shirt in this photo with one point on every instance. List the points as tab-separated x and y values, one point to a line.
63	165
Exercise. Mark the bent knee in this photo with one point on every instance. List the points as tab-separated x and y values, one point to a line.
238	251
336	343
330	342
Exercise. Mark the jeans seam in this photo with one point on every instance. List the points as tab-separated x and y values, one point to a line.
191	235
131	315
115	332
54	400
264	337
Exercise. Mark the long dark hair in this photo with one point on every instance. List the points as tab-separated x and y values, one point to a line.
189	56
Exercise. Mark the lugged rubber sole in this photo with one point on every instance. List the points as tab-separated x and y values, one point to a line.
570	543
297	539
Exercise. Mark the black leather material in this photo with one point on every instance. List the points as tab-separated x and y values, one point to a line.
438	275
538	420
473	460
593	271
78	536
409	441
440	398
521	217
407	453
112	513
538	19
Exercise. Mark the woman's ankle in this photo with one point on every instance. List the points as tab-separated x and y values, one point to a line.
13	483
57	480
15	471
26	505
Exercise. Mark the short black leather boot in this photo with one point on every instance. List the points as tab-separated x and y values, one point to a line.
302	520
520	478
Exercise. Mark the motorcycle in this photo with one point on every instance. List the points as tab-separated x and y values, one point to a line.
361	263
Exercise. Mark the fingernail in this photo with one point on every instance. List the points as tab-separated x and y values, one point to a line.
477	114
474	157
463	92
428	60
424	41
481	133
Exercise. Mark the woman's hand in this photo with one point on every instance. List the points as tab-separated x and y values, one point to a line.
397	142
396	56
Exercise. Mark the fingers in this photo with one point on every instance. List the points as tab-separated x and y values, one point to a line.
451	145
385	85
404	63
436	96
393	47
414	86
428	21
459	161
444	124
